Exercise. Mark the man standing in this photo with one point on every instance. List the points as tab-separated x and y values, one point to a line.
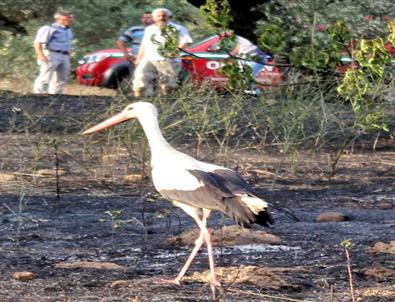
150	58
246	50
248	53
53	47
133	35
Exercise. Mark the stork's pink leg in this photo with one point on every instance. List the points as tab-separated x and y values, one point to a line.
204	236
207	238
198	244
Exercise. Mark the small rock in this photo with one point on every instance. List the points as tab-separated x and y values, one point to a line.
331	217
24	276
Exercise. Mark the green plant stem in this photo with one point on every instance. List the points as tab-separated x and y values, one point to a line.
349	274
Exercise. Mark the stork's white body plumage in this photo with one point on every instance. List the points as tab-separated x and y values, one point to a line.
170	171
195	186
169	166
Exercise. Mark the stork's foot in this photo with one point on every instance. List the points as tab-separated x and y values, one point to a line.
216	289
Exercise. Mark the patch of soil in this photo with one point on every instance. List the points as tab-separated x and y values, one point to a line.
227	236
380	272
260	277
382	247
82	216
89	265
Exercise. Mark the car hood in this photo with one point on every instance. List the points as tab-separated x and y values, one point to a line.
104	51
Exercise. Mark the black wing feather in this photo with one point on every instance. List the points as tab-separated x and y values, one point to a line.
209	196
233	181
217	193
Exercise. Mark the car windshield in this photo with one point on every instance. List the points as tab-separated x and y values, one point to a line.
201	41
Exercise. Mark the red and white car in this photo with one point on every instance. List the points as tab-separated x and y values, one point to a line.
108	67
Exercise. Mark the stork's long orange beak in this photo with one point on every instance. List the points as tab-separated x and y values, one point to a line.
116	119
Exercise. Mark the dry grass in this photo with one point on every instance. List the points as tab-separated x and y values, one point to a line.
262	277
72	88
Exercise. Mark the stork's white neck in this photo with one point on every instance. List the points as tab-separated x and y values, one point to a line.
156	141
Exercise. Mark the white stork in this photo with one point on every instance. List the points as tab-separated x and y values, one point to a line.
194	186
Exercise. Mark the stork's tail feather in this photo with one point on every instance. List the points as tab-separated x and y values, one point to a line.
264	218
244	211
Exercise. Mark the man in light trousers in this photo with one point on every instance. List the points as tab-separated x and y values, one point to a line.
53	48
149	60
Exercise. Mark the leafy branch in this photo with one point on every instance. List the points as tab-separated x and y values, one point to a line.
169	47
371	58
217	13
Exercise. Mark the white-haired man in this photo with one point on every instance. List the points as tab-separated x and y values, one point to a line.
53	48
149	59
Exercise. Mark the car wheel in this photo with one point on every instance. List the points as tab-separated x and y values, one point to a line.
115	75
183	76
125	85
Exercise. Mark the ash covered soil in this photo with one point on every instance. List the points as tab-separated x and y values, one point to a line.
82	217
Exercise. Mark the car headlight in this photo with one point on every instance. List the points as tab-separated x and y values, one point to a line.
93	58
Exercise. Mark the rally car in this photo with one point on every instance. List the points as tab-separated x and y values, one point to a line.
108	67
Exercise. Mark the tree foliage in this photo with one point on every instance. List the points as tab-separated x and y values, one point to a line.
296	26
373	59
314	41
217	13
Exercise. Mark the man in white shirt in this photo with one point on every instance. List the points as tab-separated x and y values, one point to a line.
150	58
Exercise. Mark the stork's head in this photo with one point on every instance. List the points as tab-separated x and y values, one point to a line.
138	110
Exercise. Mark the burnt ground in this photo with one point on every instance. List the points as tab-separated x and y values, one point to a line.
93	229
